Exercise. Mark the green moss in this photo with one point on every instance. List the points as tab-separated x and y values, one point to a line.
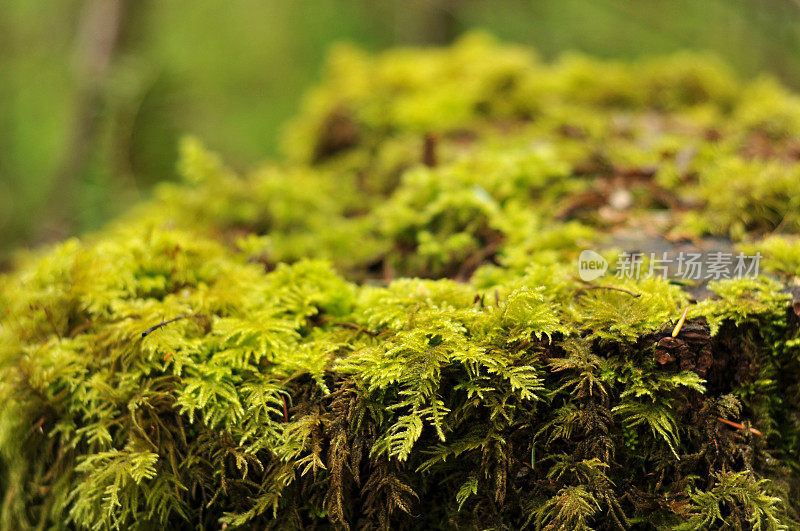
389	330
742	196
781	254
744	300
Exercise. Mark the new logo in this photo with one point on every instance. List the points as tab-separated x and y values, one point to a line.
591	265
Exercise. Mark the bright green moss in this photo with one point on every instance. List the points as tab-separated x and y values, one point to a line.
746	300
781	254
389	330
742	196
766	106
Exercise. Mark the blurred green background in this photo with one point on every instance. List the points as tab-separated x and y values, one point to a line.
94	94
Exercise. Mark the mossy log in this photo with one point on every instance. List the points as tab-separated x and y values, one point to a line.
386	328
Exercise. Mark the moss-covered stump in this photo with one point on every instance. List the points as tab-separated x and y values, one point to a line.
388	330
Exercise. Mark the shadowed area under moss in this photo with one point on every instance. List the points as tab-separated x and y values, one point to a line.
387	328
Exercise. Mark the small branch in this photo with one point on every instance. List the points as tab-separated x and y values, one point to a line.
739	426
593	286
164	323
632	294
285	409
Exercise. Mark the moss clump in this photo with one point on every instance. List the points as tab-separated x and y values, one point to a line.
388	330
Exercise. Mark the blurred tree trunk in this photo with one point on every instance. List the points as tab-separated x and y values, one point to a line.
101	24
427	21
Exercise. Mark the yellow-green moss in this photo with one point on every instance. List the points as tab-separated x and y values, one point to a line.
388	329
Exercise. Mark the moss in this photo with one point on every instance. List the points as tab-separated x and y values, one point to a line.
762	197
781	254
388	328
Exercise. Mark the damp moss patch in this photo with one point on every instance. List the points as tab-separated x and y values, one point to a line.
386	328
